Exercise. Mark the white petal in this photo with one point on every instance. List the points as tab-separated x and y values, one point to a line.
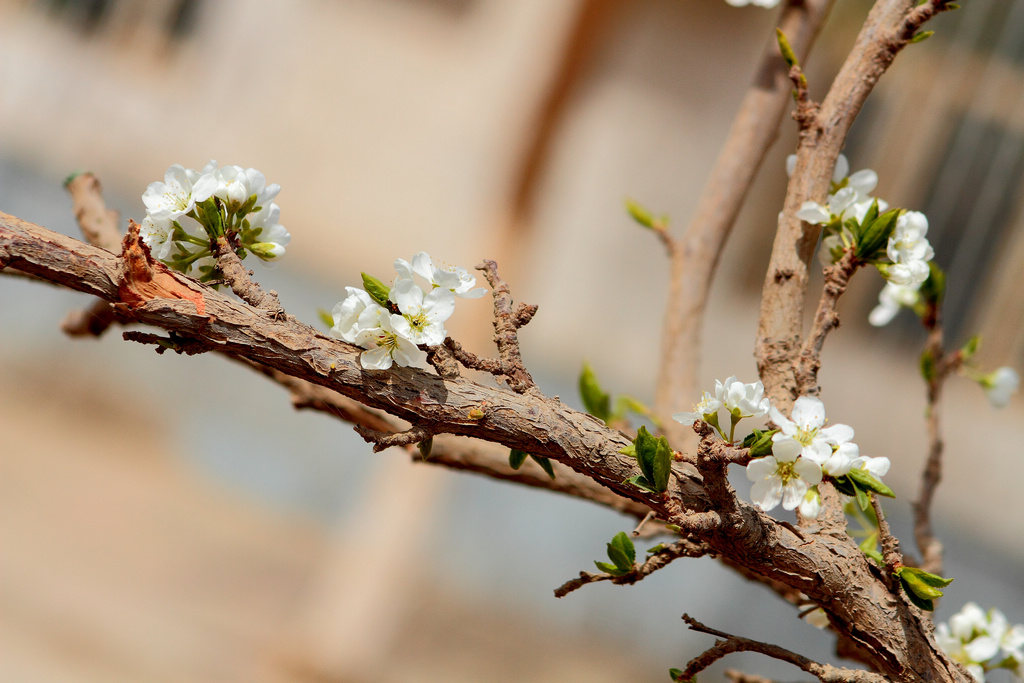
813	212
786	449
766	493
808	470
841	170
809	412
793	493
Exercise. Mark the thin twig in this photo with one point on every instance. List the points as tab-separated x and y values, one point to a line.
505	326
890	544
826	319
382	440
673	551
730	644
99	227
240	280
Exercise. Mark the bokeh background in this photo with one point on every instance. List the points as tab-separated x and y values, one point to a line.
172	519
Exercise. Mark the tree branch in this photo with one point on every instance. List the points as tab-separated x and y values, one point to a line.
695	257
888	29
673	551
730	643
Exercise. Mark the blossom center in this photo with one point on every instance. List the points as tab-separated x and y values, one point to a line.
805	435
388	341
786	473
418	321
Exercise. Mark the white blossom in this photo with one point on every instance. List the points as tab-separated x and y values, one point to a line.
455	279
810	506
783	476
265	236
1000	385
742	400
982	641
346	314
807	429
891	299
909	250
235	185
172	197
708	405
422	315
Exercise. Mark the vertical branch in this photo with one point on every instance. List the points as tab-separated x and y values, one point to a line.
695	258
888	29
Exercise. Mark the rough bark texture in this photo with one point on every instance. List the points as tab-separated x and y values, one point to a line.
825	565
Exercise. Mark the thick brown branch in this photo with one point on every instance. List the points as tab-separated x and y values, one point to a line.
822	566
695	257
888	28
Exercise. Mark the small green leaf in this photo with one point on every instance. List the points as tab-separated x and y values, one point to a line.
654	456
759	443
921	36
786	49
928	365
595	400
516	458
968	350
377	290
621	551
656	549
325	317
677	675
921	585
629	450
868	547
425	446
844	486
863	500
869	482
545	465
627	404
642	482
641	215
875	236
610	568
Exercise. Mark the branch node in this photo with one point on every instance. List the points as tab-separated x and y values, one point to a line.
382	440
172	342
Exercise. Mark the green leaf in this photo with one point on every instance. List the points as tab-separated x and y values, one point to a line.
868	547
377	290
656	549
641	215
545	465
844	486
627	404
875	236
970	348
629	450
677	675
921	585
610	568
595	400
654	456
869	482
425	447
325	317
928	365
621	551
642	482
863	500
921	36
759	443
516	458
786	49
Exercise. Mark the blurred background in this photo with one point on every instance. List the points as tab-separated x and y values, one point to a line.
172	519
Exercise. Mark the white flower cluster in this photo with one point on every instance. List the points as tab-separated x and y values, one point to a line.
848	197
1000	385
390	330
983	641
908	249
190	209
803	450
